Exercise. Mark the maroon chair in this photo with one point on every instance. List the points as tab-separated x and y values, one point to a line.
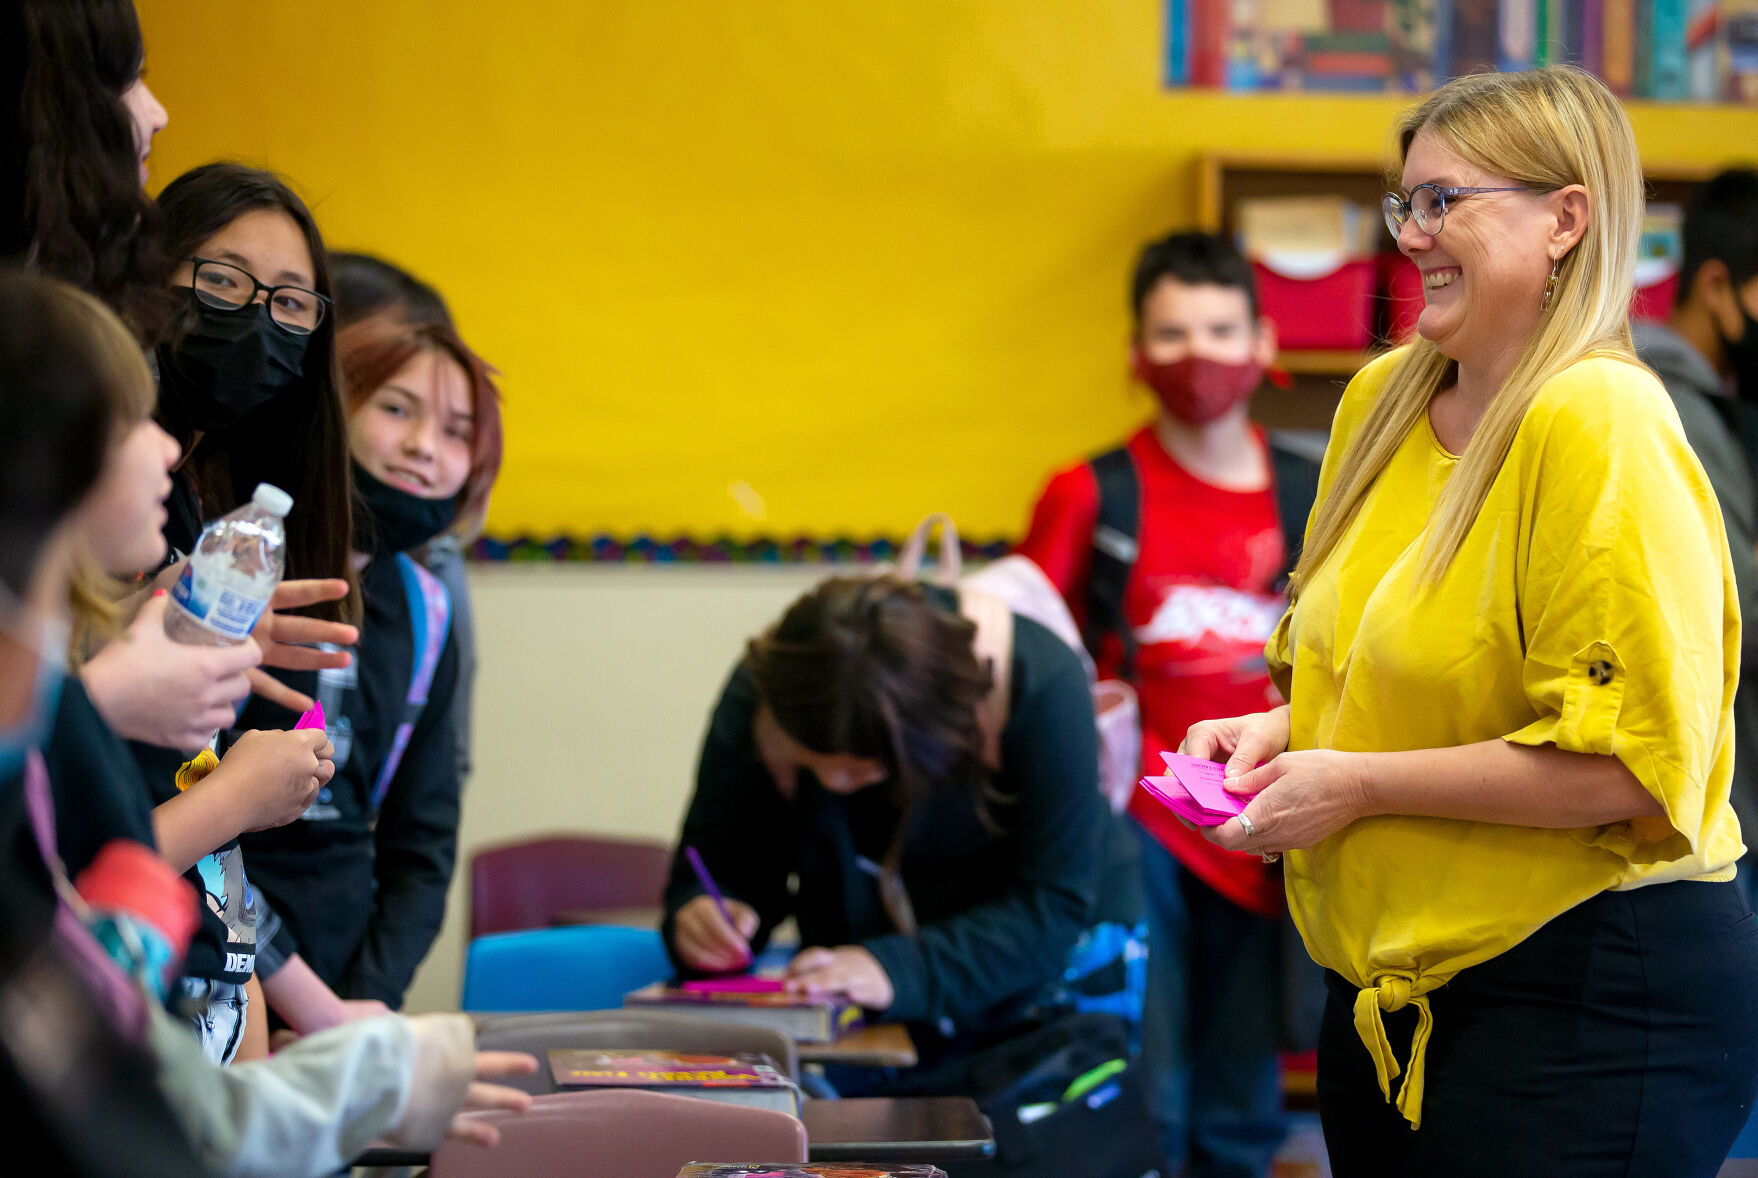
622	1133
523	885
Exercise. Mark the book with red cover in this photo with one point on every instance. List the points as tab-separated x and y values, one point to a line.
760	1002
737	1079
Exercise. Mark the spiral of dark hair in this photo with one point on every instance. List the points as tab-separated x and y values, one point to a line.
71	204
870	667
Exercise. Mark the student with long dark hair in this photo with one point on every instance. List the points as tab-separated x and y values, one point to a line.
360	879
249	391
931	781
76	125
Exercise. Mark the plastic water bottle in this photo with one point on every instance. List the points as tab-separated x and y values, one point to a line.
232	573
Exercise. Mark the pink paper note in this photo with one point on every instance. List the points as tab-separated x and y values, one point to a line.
313	718
745	985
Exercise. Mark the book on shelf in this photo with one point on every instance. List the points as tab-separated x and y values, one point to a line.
1668	68
809	1170
1618	50
748	1079
750	1002
1739	44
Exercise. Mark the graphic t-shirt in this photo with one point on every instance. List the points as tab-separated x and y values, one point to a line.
1200	601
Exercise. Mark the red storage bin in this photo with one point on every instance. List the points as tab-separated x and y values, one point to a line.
1654	300
1401	287
1332	309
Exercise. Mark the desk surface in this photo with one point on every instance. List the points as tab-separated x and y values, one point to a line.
887	1045
900	1129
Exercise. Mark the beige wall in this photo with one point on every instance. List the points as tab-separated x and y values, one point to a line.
594	686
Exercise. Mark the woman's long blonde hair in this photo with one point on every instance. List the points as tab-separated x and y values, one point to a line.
1545	129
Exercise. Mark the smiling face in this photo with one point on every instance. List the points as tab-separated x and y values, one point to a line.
1483	275
414	431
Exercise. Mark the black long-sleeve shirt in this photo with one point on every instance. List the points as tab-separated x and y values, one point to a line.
361	887
997	910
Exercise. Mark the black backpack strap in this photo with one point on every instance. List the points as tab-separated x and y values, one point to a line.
1294	463
1115	534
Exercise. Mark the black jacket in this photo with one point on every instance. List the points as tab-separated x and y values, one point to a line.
361	888
997	910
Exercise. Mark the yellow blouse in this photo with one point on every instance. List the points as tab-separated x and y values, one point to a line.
1591	607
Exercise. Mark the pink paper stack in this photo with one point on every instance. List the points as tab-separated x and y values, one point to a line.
1194	791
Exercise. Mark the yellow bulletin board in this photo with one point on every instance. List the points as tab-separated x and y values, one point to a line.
775	269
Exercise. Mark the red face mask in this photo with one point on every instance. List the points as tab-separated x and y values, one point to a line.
1198	390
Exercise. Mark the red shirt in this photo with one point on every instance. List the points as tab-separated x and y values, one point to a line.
1200	601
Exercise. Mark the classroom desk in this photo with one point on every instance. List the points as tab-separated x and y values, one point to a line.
887	1045
897	1129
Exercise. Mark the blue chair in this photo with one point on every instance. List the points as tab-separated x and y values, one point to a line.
579	967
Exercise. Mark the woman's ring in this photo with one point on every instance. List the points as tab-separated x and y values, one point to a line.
1248	825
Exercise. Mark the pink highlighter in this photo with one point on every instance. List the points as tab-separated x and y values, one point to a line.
738	985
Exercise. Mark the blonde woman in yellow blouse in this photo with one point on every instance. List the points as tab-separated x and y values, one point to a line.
1501	781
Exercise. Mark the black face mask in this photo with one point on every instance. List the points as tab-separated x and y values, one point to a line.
1742	357
389	520
231	363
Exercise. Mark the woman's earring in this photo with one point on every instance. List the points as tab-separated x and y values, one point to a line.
1550	284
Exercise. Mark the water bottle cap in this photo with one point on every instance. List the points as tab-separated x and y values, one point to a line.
127	877
272	499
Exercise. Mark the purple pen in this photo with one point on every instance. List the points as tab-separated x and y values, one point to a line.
695	859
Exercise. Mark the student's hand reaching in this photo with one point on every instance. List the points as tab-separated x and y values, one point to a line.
285	642
706	942
848	970
485	1097
151	689
273	776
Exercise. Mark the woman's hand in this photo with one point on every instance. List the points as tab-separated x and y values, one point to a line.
485	1097
1245	741
848	970
286	642
151	689
274	775
707	943
1305	797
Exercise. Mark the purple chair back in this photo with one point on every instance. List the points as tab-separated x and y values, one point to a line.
522	885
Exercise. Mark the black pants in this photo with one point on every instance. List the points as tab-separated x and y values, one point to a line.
1619	1039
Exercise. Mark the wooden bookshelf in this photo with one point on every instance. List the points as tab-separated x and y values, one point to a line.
1226	178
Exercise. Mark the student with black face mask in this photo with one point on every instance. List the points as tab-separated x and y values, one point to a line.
360	879
248	392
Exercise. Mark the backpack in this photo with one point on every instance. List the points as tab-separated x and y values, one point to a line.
1015	585
430	615
1294	467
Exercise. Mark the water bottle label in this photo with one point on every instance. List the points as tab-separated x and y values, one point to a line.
220	610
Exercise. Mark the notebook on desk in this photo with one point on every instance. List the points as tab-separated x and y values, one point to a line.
748	1079
760	1002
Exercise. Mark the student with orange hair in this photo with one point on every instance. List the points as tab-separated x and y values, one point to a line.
360	879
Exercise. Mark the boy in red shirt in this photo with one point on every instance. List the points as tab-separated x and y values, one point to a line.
1170	552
